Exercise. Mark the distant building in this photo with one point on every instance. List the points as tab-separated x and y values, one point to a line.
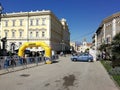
81	47
84	46
73	46
35	26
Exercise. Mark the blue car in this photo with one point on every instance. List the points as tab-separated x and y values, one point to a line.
82	57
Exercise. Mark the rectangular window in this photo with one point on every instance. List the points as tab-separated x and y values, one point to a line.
43	21
13	23
21	22
6	23
37	22
31	22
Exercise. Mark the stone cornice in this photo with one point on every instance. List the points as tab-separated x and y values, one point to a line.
110	18
24	14
106	20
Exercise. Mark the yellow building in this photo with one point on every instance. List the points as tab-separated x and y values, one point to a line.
34	26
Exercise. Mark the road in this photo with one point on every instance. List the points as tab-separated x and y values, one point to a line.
61	75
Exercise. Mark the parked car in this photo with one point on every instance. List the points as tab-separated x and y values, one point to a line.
82	57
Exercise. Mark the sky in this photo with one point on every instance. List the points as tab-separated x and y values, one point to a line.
83	16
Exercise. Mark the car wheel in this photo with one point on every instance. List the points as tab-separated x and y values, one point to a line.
74	59
89	60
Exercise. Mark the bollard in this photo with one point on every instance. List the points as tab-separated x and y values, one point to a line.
48	61
36	60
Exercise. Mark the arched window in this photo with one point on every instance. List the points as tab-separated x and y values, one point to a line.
20	34
37	34
6	33
13	33
31	34
43	34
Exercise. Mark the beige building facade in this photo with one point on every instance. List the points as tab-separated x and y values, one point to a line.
34	26
109	27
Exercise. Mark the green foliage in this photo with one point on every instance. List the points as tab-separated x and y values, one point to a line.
117	79
87	50
116	47
107	65
103	47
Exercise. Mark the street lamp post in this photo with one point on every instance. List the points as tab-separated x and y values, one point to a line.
62	45
3	40
1	9
13	47
28	28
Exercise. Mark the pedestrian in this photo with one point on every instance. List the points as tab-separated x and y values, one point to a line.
24	61
61	53
13	63
104	55
6	62
20	60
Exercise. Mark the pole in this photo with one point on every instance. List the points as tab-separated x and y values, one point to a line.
28	28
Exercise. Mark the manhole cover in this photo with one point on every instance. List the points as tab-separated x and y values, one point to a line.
25	75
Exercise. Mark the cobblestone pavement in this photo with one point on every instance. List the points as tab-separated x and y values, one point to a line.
61	75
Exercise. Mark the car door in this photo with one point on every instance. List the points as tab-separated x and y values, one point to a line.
85	57
80	57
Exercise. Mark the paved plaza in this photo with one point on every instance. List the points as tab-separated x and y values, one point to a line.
61	75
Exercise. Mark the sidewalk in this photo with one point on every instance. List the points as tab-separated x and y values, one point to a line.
18	68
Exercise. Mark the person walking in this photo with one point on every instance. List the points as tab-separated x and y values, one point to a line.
13	63
24	61
6	62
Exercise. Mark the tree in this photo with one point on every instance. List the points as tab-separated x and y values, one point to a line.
106	48
116	47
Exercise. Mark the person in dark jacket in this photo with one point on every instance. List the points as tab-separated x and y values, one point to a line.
24	61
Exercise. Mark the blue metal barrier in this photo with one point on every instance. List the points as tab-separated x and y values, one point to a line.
6	64
5	61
